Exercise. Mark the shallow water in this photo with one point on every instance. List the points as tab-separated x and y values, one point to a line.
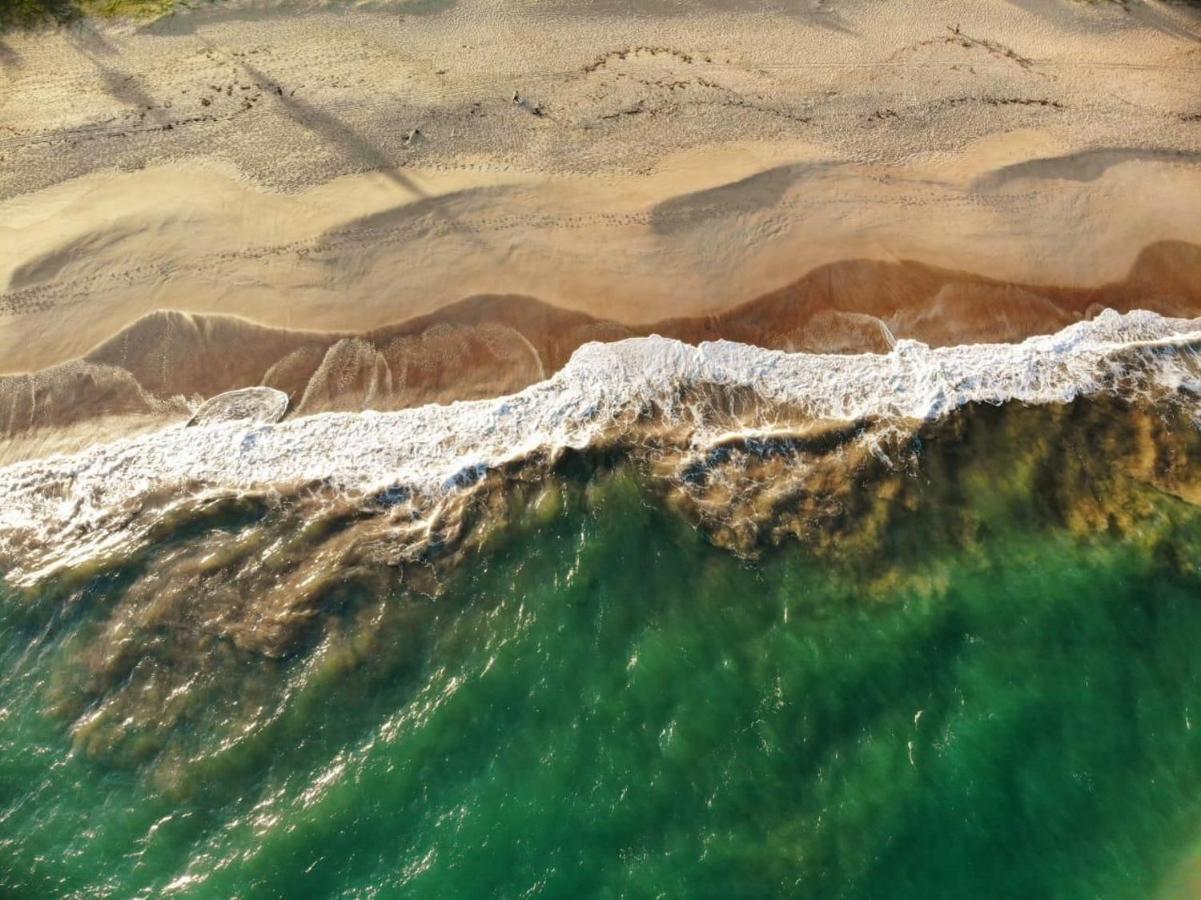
606	703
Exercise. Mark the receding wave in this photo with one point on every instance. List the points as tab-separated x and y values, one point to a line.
154	371
637	393
230	550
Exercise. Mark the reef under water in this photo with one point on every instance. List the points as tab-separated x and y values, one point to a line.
678	621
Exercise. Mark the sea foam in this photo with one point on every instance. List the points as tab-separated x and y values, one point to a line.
65	504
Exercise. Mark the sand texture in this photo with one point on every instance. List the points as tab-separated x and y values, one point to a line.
426	201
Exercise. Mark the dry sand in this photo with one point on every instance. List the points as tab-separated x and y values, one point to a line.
953	170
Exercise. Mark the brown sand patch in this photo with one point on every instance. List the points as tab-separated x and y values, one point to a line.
164	364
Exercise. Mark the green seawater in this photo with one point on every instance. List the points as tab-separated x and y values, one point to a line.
607	705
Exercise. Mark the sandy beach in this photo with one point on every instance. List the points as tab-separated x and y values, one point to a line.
417	202
617	448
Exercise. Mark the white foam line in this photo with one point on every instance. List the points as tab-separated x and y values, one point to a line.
434	448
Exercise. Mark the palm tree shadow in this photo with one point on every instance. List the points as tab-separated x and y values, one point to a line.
349	143
1183	25
125	88
10	60
89	41
352	146
826	17
1178	22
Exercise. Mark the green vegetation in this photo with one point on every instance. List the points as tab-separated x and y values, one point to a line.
28	13
39	13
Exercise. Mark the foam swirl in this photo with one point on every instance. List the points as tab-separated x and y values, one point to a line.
67	507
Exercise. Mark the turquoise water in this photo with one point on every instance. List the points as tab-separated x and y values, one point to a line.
607	705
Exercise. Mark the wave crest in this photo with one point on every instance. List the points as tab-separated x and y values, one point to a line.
214	563
62	512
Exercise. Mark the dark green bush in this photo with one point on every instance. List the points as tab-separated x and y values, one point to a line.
29	13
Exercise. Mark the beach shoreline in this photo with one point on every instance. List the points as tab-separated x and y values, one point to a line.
378	208
463	448
159	369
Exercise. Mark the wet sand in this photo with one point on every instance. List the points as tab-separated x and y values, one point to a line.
415	203
155	371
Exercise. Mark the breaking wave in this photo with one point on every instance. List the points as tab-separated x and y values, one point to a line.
212	560
62	511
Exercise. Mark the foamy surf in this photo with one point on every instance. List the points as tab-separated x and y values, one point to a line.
72	507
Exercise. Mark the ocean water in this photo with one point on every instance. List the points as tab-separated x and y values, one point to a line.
978	677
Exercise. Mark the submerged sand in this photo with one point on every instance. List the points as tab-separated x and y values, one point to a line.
313	194
420	202
228	581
